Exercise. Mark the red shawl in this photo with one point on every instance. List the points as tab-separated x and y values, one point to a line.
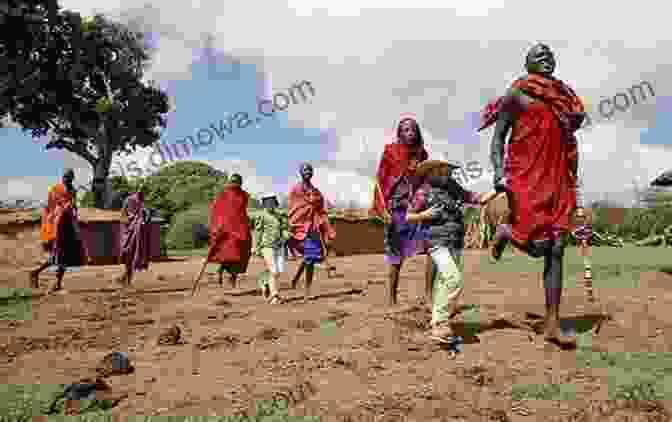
228	226
57	200
541	158
306	211
393	164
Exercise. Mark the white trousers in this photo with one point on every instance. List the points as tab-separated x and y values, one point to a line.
276	263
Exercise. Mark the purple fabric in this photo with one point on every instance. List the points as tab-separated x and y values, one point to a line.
553	296
584	232
408	243
312	248
135	234
503	231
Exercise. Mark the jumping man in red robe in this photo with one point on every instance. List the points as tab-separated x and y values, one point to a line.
538	171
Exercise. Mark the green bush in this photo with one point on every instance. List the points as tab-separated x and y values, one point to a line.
180	233
638	224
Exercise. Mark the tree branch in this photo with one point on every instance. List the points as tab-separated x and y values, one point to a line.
74	148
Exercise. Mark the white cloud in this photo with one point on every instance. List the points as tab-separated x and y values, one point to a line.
23	188
369	62
252	182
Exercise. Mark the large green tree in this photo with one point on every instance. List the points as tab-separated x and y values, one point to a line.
80	83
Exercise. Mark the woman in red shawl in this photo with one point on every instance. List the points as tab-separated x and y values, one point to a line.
309	222
230	240
65	245
393	194
135	236
538	171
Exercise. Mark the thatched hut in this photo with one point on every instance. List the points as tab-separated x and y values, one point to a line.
101	233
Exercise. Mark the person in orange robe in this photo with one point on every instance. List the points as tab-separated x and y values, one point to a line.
230	239
59	232
538	171
309	224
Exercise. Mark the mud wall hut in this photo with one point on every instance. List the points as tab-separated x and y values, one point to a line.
356	232
101	233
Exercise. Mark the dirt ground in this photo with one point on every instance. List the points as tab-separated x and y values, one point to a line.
342	356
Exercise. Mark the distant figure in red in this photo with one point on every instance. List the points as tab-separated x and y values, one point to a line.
60	232
538	171
230	239
134	237
396	184
309	222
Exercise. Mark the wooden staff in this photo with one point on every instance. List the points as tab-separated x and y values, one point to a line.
200	274
205	264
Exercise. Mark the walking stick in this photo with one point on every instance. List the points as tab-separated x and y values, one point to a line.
200	274
205	264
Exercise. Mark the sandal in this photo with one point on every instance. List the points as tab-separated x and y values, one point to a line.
275	299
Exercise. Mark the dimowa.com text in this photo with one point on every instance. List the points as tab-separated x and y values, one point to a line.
204	137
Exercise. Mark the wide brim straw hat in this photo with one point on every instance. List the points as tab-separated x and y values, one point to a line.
428	166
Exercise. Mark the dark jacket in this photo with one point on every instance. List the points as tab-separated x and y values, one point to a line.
447	228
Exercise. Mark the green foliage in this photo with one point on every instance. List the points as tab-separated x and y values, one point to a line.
181	185
638	224
180	235
68	79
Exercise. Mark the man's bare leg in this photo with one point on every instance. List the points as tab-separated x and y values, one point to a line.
298	275
331	269
393	284
553	290
35	275
58	285
233	278
310	272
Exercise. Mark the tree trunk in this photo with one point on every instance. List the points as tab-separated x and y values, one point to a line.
101	171
99	186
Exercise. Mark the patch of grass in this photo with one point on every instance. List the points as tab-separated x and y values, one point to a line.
543	392
188	252
20	403
632	375
328	327
636	388
15	304
612	267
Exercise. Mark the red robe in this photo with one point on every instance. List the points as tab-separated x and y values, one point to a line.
307	210
541	159
393	164
230	239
